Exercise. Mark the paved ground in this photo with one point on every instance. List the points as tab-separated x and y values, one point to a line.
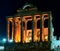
1	48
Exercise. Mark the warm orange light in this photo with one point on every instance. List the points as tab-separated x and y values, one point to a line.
17	30
27	34
17	38
46	38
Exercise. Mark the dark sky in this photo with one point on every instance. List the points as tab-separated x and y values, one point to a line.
9	7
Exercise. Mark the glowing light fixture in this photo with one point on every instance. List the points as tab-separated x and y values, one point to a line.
10	40
4	40
46	38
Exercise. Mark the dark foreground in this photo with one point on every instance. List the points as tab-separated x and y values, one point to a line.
27	50
27	47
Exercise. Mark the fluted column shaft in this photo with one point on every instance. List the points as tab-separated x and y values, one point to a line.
17	30
12	30
35	31
8	30
25	30
42	28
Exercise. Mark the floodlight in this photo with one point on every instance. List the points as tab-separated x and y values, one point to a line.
4	40
10	40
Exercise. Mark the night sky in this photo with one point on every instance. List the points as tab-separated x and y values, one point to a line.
9	7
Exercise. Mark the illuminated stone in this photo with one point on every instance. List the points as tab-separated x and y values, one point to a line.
21	31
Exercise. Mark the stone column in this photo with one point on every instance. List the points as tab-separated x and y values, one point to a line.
15	37
19	35
10	20
17	30
35	31
25	35
12	30
42	28
8	29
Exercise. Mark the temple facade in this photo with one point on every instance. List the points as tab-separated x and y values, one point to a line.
29	25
